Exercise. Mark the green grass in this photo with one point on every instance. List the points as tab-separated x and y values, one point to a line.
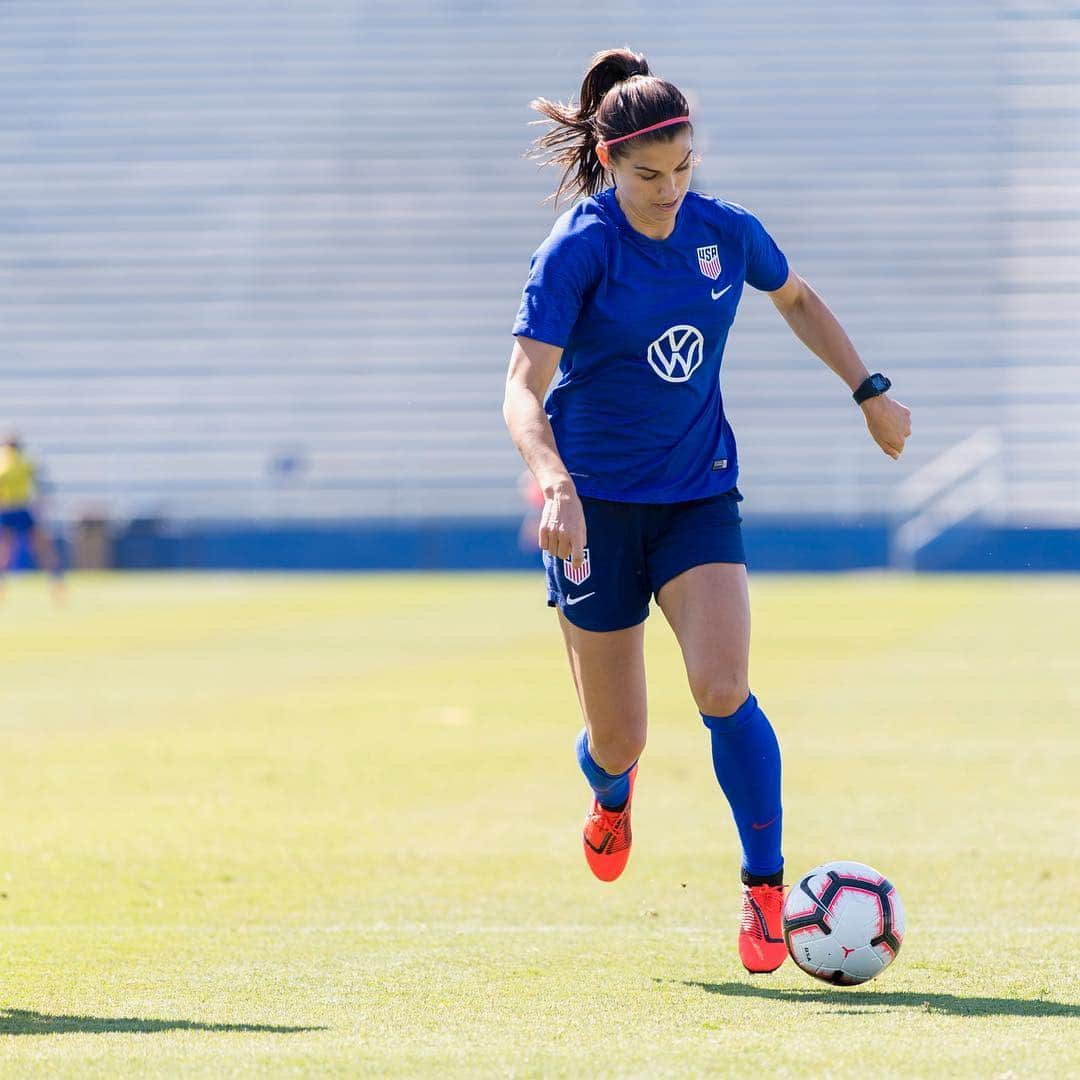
329	826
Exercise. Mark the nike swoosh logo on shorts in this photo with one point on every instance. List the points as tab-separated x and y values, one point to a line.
572	600
716	295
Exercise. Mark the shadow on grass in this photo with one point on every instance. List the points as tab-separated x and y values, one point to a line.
843	999
24	1022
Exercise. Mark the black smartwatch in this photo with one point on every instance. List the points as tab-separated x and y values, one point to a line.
871	387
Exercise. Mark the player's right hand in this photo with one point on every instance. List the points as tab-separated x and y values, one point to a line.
889	423
562	526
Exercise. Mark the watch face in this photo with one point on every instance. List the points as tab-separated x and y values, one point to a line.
880	383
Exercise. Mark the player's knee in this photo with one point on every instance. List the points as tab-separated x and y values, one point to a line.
616	752
721	693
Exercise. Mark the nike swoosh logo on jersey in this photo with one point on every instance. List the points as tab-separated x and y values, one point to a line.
716	295
572	600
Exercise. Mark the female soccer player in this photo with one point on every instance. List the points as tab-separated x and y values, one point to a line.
631	298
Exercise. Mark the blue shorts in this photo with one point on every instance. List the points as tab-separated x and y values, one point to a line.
20	521
634	550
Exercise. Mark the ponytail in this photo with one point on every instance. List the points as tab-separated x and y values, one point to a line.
641	100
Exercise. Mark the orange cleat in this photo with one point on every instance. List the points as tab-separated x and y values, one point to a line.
606	837
761	935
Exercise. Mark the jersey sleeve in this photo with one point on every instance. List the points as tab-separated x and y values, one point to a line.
565	268
766	265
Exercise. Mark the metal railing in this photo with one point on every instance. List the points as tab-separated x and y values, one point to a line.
953	487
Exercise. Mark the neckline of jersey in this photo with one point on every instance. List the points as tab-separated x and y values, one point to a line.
623	222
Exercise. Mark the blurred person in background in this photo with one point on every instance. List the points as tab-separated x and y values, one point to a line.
19	522
630	299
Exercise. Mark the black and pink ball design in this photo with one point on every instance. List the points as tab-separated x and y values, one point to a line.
843	922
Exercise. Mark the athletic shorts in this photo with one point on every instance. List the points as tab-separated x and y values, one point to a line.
20	521
634	549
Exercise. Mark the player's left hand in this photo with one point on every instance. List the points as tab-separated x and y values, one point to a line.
889	423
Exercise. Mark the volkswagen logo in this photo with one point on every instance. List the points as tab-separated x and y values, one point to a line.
677	353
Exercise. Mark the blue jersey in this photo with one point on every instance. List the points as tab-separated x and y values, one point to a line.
637	411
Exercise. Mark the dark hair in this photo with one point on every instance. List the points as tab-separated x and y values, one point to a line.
619	95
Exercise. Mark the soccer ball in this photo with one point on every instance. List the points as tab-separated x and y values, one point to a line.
843	923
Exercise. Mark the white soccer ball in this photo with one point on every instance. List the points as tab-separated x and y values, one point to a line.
843	923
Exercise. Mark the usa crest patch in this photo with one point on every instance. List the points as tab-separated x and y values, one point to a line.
708	259
576	577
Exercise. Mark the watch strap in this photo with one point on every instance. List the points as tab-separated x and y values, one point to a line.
871	386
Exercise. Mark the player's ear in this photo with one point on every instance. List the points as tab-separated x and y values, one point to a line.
603	155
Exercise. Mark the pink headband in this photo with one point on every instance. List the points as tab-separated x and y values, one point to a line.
651	127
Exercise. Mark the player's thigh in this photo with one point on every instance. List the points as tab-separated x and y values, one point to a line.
609	674
708	607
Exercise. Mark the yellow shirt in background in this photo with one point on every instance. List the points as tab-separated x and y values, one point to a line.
16	479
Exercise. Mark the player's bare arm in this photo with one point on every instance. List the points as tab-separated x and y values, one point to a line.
809	317
562	521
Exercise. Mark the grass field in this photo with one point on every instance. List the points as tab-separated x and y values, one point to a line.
330	826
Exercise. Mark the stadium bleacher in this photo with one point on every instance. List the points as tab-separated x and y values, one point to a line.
260	260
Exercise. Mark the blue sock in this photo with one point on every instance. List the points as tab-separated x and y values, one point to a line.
611	791
746	759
